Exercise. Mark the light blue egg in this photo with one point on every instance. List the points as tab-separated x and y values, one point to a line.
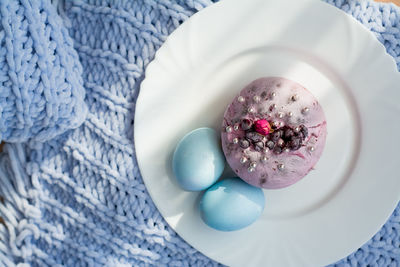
198	160
231	204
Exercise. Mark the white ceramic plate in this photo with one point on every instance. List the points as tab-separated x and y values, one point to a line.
205	63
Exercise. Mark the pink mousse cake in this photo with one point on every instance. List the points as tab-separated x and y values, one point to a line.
273	133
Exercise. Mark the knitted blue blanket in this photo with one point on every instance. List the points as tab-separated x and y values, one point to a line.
78	199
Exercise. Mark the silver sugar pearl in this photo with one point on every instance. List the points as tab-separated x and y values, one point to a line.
305	110
241	99
266	150
243	160
273	94
290	114
311	148
264	159
256	98
253	164
280	115
251	169
297	129
235	140
228	129
236	127
250	110
280	142
272	107
287	150
294	98
281	166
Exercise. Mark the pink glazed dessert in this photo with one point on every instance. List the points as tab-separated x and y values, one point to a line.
273	133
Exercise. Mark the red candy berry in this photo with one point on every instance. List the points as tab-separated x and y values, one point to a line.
262	127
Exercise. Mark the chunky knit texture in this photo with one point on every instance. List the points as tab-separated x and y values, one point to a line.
79	199
41	88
